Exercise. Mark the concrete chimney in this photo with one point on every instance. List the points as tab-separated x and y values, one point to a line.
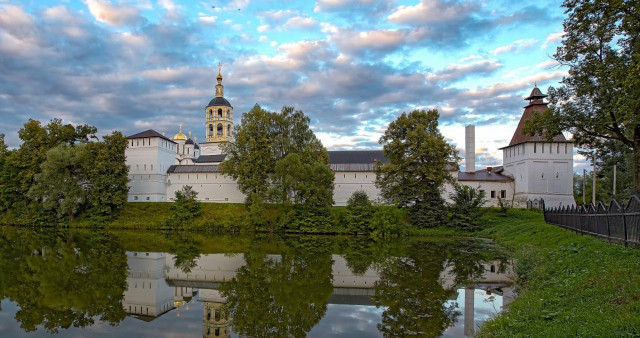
470	148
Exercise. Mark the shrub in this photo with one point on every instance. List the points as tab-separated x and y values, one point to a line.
185	207
465	210
359	212
387	221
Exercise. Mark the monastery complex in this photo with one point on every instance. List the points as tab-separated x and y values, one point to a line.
532	169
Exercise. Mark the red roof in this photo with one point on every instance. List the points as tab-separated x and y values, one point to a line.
536	104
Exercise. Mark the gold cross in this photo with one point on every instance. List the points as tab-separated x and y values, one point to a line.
219	67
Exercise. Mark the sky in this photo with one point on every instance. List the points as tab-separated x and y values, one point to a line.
351	66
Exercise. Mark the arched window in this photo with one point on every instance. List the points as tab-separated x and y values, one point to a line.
228	130
220	129
211	130
228	114
211	114
220	113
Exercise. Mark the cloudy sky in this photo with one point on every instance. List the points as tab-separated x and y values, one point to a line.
352	66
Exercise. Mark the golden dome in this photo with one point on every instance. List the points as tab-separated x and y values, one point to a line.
180	135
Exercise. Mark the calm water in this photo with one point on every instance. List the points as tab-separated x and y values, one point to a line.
169	284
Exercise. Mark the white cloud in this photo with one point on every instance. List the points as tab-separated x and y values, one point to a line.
516	46
115	15
431	11
454	72
301	22
553	38
263	28
322	5
208	20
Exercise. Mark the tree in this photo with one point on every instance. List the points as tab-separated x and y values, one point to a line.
23	164
418	159
599	102
108	175
465	210
278	157
359	212
61	185
185	207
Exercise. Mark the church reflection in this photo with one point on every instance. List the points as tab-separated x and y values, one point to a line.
156	286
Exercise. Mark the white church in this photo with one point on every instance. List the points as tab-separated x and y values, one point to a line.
533	168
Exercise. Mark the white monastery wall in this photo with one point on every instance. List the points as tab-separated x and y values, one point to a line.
211	187
348	182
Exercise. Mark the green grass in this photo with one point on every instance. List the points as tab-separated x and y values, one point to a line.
569	285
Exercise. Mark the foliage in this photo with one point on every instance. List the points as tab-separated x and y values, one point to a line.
261	140
185	207
599	102
465	210
58	173
387	221
299	183
359	212
419	158
61	184
107	175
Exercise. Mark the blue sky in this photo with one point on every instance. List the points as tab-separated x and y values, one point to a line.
352	66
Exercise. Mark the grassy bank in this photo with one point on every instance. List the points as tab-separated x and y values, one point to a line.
570	285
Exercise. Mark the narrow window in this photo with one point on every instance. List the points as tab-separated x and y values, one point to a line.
220	129
542	148
493	194
137	142
558	149
565	148
523	148
503	194
219	113
535	148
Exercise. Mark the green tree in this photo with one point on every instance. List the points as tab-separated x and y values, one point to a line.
465	209
359	212
263	139
599	102
61	185
419	158
185	207
23	164
107	174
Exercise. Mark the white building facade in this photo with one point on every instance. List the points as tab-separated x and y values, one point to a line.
159	166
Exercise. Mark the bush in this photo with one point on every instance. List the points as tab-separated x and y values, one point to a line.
185	207
359	213
465	210
387	221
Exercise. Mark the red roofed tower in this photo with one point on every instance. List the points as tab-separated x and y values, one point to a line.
541	169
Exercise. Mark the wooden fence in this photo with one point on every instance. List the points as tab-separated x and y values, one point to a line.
615	222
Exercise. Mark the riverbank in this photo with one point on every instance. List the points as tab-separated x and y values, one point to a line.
570	285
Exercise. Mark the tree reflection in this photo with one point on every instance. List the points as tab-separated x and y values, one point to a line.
414	288
62	279
186	250
281	295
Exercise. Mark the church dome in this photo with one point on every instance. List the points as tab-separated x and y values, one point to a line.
219	101
180	135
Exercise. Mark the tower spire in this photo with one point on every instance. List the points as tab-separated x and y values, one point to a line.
219	86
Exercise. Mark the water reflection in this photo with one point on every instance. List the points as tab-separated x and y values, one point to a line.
294	286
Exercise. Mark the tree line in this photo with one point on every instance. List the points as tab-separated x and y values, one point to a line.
61	171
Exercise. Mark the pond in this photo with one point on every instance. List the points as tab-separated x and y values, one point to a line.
77	283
